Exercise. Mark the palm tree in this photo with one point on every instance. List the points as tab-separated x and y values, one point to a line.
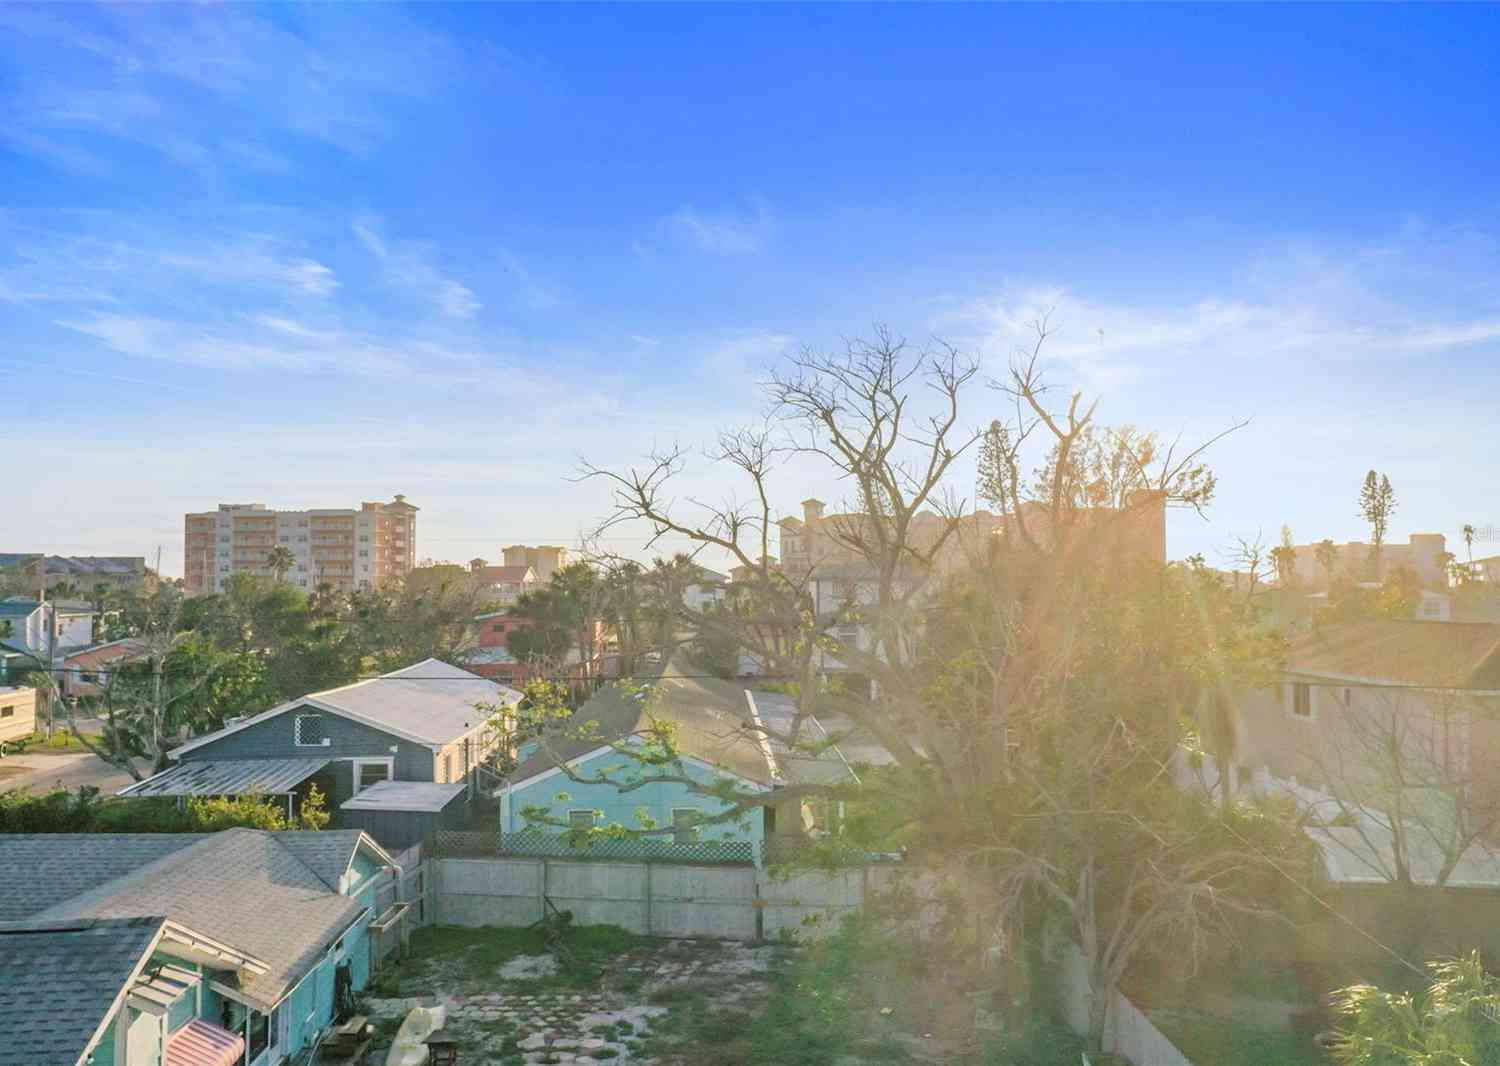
1469	541
64	590
281	560
1453	1021
1327	555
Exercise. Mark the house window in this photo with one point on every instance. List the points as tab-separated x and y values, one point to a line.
685	825
581	819
309	731
88	677
7	712
260	1035
1432	608
1301	700
447	769
368	772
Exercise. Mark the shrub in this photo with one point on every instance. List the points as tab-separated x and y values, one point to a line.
61	811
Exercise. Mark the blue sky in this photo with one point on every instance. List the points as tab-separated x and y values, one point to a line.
314	255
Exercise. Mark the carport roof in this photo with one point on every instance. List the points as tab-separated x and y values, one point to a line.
228	777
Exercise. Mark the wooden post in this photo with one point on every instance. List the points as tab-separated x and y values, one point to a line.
648	898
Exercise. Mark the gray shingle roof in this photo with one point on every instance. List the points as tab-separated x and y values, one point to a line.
243	886
59	981
328	853
711	718
61	866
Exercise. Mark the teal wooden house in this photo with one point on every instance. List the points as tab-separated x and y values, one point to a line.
228	949
720	736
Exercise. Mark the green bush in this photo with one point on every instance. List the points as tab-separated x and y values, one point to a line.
61	811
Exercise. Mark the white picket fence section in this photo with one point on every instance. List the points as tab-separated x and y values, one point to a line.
657	899
1127	1030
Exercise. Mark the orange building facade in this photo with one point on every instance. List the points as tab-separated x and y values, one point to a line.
347	549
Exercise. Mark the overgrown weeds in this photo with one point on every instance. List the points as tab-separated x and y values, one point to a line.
478	954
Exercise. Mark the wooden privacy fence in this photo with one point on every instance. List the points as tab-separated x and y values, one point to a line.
736	902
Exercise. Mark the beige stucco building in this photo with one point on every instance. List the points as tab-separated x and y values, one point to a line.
1362	704
17	713
1424	554
347	548
544	560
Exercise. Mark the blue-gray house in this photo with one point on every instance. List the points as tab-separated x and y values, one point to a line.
425	723
224	949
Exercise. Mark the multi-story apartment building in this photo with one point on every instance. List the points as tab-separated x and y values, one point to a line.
544	560
346	548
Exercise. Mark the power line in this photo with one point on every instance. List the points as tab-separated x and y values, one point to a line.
1403	687
117	664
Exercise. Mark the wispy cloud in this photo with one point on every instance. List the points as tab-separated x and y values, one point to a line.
142	75
408	265
721	233
1334	308
264	342
107	259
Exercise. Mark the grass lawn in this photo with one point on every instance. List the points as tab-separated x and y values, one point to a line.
62	743
475	956
1204	1038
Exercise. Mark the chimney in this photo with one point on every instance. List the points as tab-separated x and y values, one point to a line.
812	512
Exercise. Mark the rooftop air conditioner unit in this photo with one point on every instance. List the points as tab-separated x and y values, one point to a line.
327	741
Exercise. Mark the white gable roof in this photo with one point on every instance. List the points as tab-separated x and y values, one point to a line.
430	703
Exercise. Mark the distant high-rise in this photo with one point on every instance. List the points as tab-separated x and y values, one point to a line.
346	548
544	560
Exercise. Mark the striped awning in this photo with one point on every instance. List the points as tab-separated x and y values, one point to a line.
228	777
201	1043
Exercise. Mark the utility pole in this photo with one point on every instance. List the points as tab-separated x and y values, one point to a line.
49	619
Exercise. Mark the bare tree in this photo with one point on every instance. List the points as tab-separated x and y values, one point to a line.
1400	777
1248	556
141	700
1032	704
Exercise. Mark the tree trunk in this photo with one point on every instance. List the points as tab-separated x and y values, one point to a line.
1099	997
